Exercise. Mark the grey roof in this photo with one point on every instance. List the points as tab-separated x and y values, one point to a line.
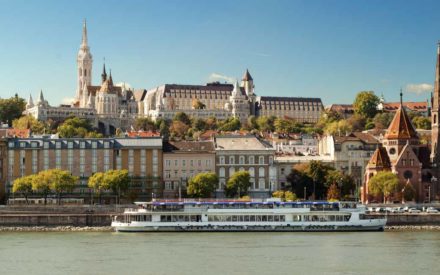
139	142
240	143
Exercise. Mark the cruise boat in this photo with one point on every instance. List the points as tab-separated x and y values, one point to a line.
234	215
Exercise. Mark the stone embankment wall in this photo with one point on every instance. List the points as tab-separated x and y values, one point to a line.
411	219
79	216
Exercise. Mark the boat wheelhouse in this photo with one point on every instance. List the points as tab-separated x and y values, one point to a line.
233	215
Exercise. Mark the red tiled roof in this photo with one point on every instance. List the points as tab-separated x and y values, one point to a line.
401	126
380	159
15	133
142	134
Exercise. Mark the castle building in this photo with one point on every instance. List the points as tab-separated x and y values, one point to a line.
107	106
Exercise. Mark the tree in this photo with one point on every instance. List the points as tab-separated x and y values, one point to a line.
300	182
41	184
333	193
266	124
238	184
11	108
182	117
197	104
118	181
421	122
365	104
318	171
178	129
409	192
61	181
230	124
284	195
198	124
97	183
164	130
23	186
382	120
144	124
75	127
383	184
202	185
29	122
339	128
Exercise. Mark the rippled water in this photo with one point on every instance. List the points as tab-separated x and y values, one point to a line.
220	253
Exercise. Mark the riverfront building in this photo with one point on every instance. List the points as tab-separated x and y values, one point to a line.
246	153
183	160
84	157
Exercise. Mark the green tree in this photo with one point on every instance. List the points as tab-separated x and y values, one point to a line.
266	124
23	186
182	117
11	108
383	184
29	122
365	104
61	181
421	122
41	184
98	184
238	184
198	124
75	127
230	124
118	181
409	192
164	130
382	120
338	128
202	185
300	182
318	171
178	129
144	124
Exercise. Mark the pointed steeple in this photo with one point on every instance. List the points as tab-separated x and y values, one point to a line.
435	112
41	97
84	36
236	92
30	102
401	126
380	159
104	73
110	79
247	76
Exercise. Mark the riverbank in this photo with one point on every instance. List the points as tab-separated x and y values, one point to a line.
56	229
110	229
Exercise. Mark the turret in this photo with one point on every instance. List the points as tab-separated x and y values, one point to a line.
30	102
248	83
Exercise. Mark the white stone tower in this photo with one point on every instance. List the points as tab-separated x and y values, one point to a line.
84	62
247	82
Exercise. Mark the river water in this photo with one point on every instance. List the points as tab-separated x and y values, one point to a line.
220	253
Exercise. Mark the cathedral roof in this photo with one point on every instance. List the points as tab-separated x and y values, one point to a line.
247	76
107	87
380	159
401	126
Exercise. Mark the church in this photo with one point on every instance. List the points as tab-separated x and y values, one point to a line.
416	165
109	106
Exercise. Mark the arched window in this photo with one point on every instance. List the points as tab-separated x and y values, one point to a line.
231	171
251	160
241	160
231	160
221	172
252	172
261	172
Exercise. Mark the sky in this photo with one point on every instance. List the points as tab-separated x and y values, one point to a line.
328	49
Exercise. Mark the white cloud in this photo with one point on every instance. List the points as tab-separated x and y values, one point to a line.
218	77
419	88
123	84
67	100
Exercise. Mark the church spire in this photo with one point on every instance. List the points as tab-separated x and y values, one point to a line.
84	35
104	73
30	102
435	111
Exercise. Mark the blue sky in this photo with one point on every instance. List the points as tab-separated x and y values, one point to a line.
329	49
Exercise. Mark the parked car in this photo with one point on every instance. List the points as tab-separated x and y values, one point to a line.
414	210
397	210
379	210
431	210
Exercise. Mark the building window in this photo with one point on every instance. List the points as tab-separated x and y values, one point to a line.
261	172
231	171
167	163
261	160
222	172
241	160
222	160
251	160
231	160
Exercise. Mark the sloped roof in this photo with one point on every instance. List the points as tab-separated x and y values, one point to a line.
380	159
247	76
189	146
421	106
357	136
401	126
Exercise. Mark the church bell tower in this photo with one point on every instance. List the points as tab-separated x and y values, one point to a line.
84	63
435	104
